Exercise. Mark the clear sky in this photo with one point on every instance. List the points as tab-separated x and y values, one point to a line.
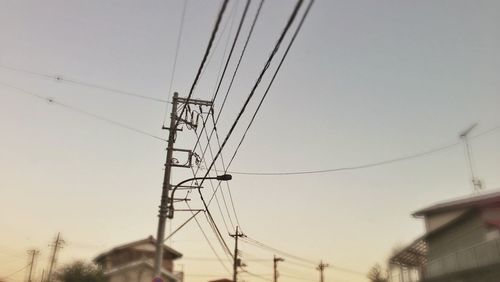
366	81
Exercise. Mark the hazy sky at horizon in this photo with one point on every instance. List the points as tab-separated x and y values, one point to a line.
366	81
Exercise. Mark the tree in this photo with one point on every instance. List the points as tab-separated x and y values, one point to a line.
80	271
375	274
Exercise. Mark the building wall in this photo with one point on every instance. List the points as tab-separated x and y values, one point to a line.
463	234
435	221
137	274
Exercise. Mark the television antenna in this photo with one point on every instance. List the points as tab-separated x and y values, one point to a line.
477	185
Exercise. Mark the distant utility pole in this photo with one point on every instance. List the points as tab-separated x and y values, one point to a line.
321	267
275	267
464	135
190	119
43	275
236	260
58	244
33	253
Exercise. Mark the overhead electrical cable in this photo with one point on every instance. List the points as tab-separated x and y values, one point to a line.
226	95
256	275
287	27
235	40
83	83
203	61
214	129
297	30
208	241
14	273
81	111
252	92
256	243
218	203
176	54
367	165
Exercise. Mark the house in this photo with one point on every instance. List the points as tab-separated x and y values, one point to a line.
134	262
461	243
221	280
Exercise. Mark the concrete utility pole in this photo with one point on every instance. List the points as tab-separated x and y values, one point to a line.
57	245
236	260
162	215
33	253
275	267
191	122
321	267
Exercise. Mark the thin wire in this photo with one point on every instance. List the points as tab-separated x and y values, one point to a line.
214	129
208	241
216	199
264	246
226	46
203	61
14	273
256	243
83	83
368	165
235	40
240	59
222	76
276	47
256	275
177	47
81	111
252	92
297	30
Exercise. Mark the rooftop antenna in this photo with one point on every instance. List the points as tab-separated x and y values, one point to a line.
464	135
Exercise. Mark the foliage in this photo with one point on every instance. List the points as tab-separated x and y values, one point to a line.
375	274
80	271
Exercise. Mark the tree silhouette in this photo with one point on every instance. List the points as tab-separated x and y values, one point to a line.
375	274
80	271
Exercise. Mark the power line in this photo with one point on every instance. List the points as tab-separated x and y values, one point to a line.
304	15
295	257
214	129
83	83
256	275
176	55
81	111
205	56
252	92
208	241
264	246
14	273
290	20
368	165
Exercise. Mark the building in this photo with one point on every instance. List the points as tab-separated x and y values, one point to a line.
461	243
134	262
221	280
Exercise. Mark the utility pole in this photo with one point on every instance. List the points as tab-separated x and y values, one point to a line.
58	242
43	275
162	215
321	267
236	260
165	210
275	267
33	253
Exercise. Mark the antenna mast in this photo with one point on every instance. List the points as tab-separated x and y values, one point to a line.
476	183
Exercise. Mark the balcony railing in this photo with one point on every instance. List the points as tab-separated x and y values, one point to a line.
477	256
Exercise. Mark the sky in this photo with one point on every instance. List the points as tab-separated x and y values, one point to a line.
365	81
